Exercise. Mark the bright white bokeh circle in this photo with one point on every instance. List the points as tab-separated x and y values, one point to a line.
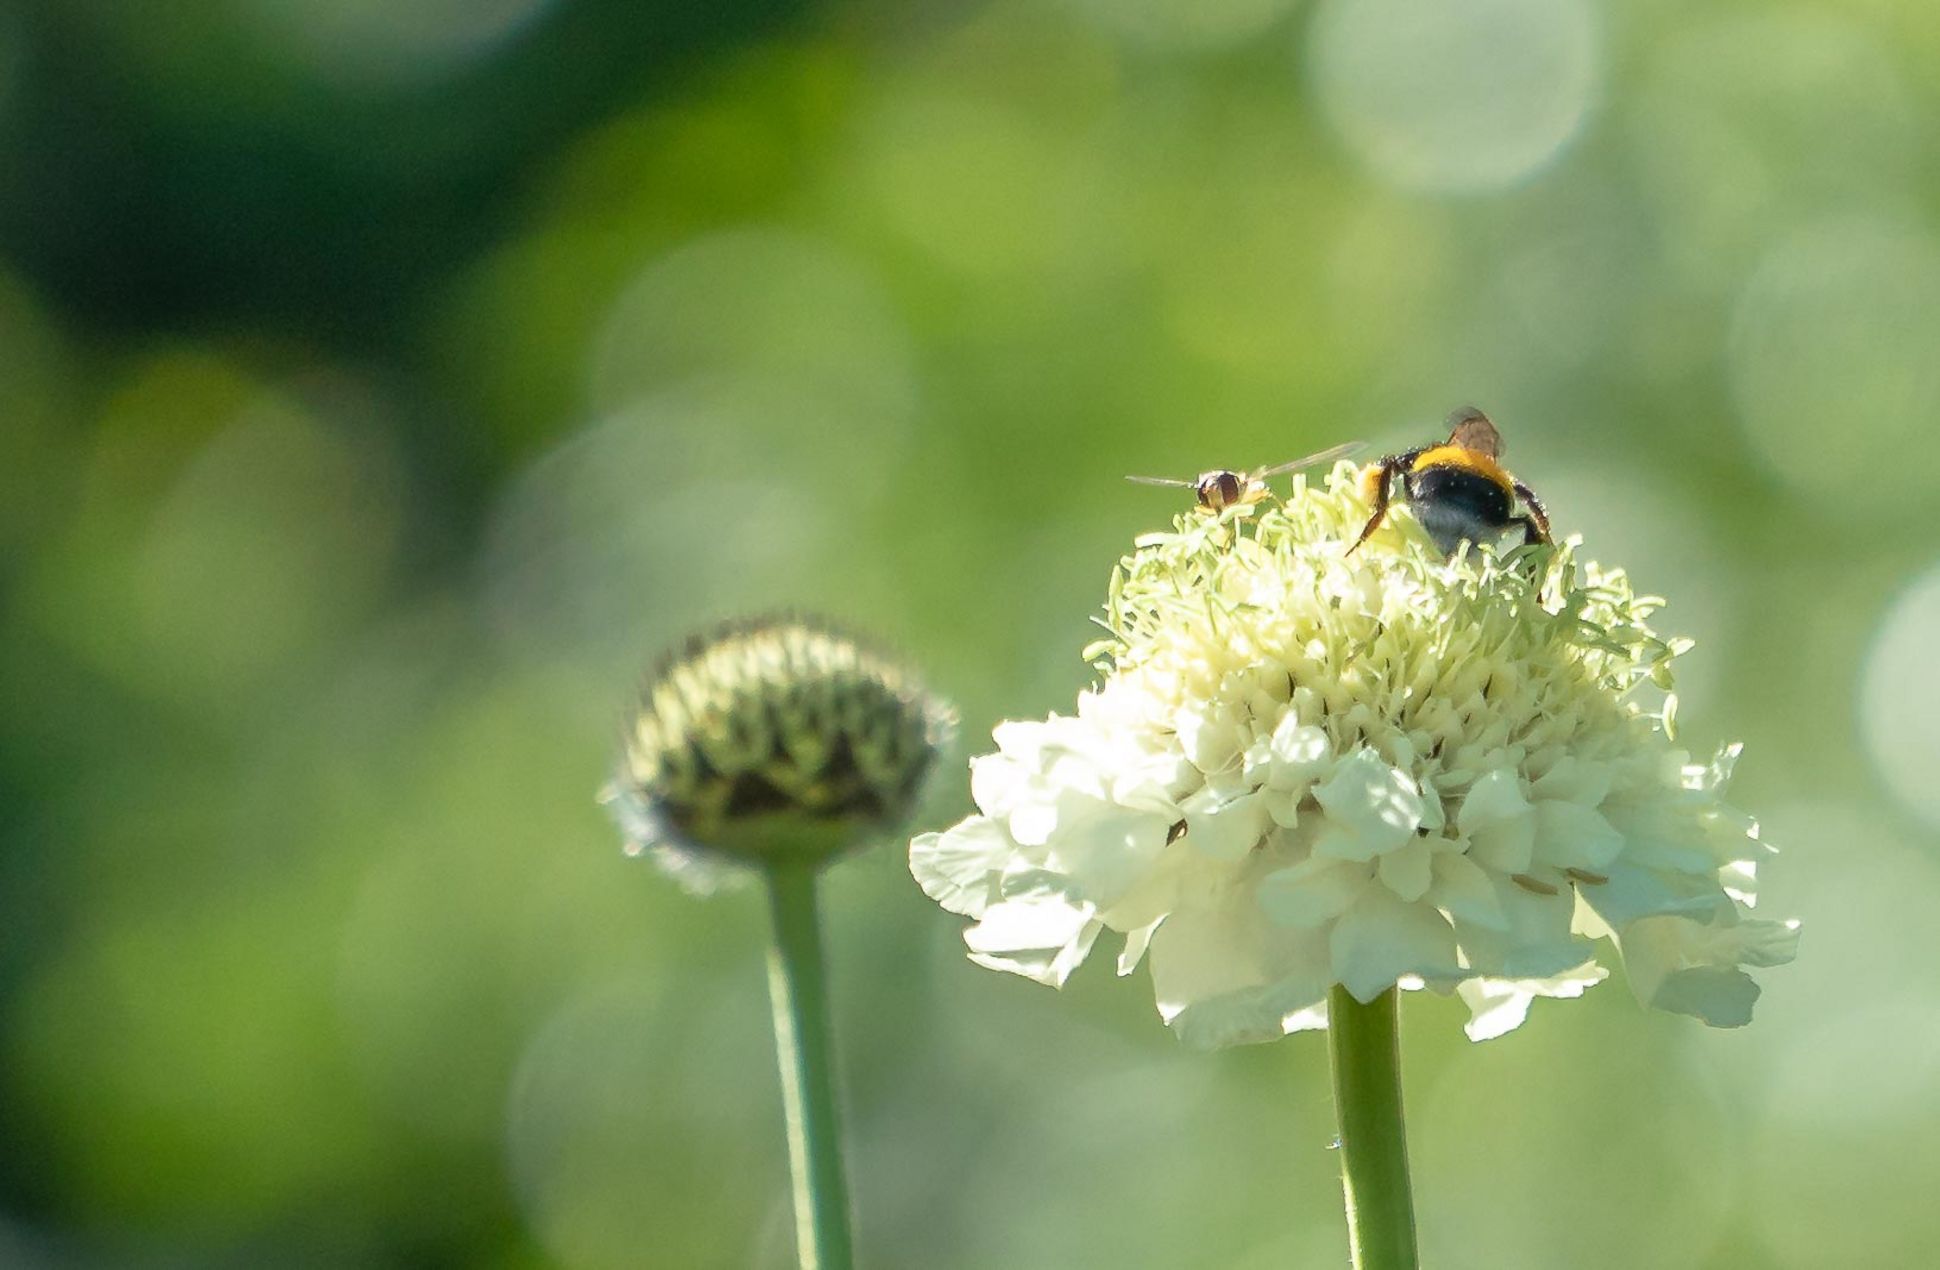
1900	700
1457	98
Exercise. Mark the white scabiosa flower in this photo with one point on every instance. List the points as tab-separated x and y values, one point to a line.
1304	767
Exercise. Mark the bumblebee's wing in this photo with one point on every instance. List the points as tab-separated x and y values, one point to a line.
1325	456
1163	480
1471	429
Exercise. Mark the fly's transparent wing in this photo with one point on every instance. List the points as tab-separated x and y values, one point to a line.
1312	460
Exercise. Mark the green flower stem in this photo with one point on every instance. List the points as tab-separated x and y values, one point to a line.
1363	1042
799	987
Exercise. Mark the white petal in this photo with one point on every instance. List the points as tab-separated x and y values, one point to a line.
1257	766
1155	894
1292	756
1494	797
1283	806
1659	836
1535	939
1253	1015
1573	780
1105	849
1027	879
957	867
1199	954
1691	968
1373	800
1740	881
1497	1006
1313	892
1506	845
1021	739
1210	738
1310	1018
1227	829
1630	892
1465	889
1714	776
1072	955
1032	823
998	783
1433	820
1137	940
1407	869
1042	937
1151	781
1337	843
1381	939
1570	835
1587	922
1222	976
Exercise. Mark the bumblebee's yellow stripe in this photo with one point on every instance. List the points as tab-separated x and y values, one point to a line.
1468	460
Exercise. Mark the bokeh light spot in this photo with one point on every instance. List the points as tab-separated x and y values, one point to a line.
983	188
276	535
1747	119
1455	99
756	301
1900	702
226	532
714	498
1832	362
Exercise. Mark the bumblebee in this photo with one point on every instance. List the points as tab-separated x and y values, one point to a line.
1458	489
1220	488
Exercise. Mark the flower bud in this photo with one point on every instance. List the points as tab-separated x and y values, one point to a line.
769	741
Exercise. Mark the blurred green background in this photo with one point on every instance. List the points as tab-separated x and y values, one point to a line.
383	382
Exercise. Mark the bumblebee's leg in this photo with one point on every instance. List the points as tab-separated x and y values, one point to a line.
1535	526
1377	480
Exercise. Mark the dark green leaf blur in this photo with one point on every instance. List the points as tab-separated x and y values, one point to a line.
383	383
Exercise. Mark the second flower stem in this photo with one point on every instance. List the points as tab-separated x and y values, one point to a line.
798	984
1364	1044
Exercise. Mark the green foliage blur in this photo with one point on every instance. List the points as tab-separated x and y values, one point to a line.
384	382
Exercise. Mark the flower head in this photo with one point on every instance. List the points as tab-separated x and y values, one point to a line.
767	740
1304	767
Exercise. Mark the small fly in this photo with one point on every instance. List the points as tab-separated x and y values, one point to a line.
1222	488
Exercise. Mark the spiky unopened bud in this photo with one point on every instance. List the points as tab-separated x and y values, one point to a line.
773	739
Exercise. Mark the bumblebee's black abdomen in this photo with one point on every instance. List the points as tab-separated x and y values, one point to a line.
1453	503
